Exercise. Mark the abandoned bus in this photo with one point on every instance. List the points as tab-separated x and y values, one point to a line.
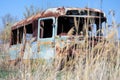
40	35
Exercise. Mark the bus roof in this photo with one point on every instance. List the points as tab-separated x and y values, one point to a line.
51	12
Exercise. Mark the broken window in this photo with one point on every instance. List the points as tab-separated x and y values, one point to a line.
29	32
14	37
84	12
72	12
46	28
67	25
79	25
20	34
17	34
64	25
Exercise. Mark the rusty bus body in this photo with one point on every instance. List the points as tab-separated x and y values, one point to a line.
33	40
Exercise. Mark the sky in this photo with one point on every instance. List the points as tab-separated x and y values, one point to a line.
17	7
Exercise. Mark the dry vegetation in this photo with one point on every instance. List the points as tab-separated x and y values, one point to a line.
101	62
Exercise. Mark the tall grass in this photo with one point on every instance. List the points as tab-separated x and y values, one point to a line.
101	62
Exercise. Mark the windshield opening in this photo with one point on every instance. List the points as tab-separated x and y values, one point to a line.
79	26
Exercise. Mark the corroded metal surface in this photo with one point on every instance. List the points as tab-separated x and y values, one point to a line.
56	12
48	47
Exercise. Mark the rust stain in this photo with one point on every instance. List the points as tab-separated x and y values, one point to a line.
45	43
56	12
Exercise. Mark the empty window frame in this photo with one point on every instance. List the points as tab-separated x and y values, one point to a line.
46	28
17	34
29	32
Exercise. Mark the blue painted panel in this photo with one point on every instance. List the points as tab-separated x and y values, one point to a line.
14	51
46	50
